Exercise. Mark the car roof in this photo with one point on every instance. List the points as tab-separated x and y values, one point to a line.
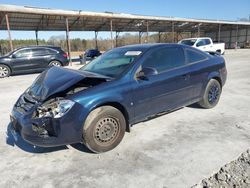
145	47
196	38
39	46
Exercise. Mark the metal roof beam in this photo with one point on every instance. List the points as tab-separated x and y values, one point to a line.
74	22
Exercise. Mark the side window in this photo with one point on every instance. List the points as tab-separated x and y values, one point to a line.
23	53
193	56
50	51
207	41
201	43
165	59
38	52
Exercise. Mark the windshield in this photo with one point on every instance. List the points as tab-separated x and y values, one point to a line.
113	63
189	42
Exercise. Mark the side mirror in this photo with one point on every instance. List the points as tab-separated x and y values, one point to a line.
145	72
13	56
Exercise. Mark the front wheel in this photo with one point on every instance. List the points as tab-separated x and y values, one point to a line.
103	129
212	94
4	71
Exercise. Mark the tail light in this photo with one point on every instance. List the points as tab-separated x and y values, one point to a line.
65	55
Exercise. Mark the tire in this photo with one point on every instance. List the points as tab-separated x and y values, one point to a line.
212	94
55	63
4	71
219	51
103	129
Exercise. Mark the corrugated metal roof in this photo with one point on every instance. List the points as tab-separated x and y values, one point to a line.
45	19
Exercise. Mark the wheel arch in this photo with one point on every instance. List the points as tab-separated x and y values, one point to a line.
7	66
218	79
120	107
216	76
54	59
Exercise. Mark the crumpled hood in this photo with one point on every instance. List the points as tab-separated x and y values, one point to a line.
55	80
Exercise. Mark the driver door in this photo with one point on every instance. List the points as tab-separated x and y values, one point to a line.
168	89
21	60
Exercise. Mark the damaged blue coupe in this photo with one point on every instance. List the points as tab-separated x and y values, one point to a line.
96	104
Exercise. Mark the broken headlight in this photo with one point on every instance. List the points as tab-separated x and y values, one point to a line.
55	108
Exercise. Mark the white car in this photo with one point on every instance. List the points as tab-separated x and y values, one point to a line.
204	44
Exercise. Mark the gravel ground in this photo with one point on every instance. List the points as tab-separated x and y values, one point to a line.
234	174
178	149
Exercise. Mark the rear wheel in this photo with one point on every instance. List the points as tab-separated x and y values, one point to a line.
4	71
55	63
219	51
212	94
104	129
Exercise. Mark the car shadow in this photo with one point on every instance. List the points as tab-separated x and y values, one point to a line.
195	105
81	147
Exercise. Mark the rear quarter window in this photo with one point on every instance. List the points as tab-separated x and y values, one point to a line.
194	56
207	41
50	51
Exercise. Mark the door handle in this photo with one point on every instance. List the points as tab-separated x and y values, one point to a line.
186	76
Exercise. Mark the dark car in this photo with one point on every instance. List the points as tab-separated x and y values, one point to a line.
32	59
96	104
89	55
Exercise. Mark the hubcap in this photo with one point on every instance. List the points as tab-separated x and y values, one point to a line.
3	71
55	63
106	130
213	94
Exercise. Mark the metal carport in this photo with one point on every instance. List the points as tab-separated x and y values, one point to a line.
44	19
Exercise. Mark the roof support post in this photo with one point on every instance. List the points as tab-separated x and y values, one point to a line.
140	35
247	33
173	32
219	33
96	44
116	37
8	28
236	36
159	37
36	33
199	31
111	33
230	39
68	40
147	31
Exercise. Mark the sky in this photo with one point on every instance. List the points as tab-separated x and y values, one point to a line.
203	9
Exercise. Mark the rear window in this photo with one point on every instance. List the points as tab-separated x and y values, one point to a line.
38	51
42	51
194	56
207	41
51	51
189	42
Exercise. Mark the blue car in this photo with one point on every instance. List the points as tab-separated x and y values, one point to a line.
96	104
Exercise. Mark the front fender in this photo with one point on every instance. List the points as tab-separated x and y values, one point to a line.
91	101
214	74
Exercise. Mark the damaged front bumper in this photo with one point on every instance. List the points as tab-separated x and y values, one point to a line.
46	131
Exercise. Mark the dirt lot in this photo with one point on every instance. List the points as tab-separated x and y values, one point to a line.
175	150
